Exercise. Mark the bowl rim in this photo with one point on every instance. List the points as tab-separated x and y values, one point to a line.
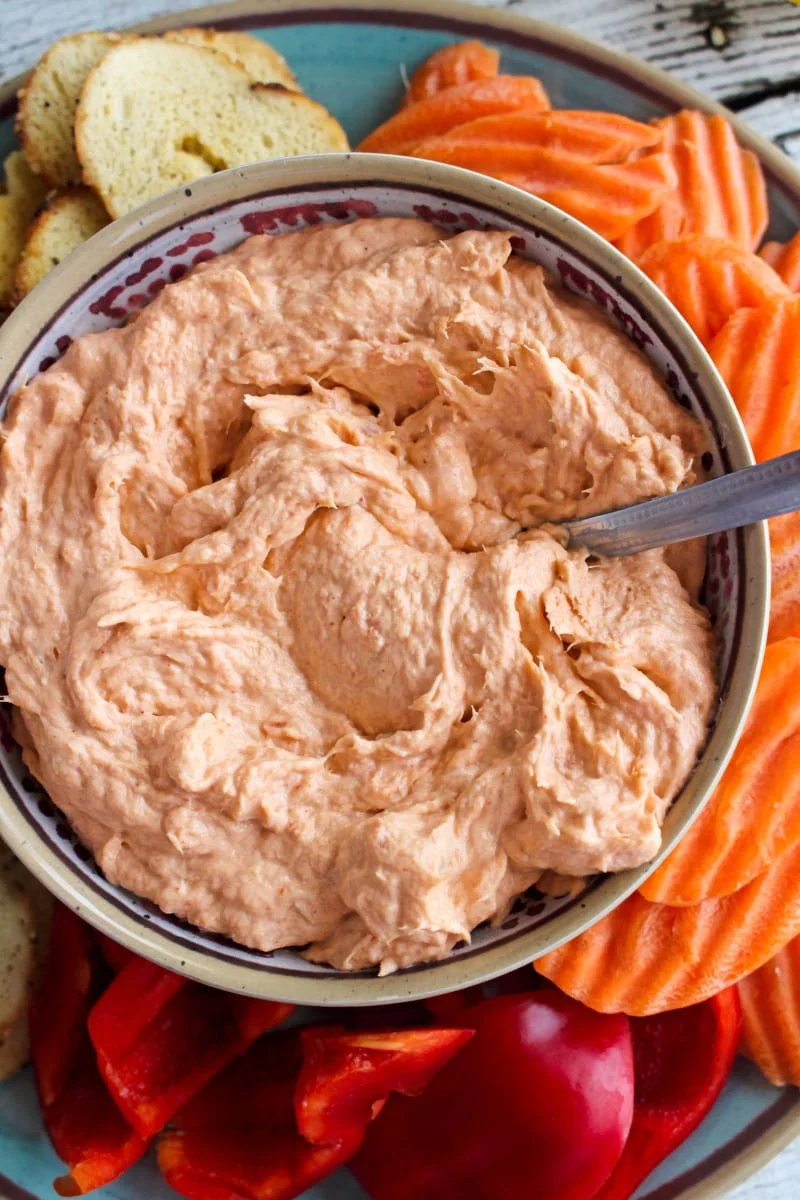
221	191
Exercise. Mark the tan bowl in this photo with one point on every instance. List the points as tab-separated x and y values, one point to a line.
113	274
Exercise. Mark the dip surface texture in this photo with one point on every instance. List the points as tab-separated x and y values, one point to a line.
286	644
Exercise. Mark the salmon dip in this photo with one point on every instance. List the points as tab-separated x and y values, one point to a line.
289	640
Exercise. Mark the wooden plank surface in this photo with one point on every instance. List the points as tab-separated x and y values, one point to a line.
745	53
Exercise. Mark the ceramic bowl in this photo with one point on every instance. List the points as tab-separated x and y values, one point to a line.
126	264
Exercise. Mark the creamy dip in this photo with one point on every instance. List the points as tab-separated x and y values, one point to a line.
287	647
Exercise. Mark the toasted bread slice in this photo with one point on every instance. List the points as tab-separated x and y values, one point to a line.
68	218
40	900
14	1048
24	193
15	1042
259	60
46	113
17	948
204	114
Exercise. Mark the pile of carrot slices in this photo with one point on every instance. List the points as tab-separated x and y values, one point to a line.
688	204
634	183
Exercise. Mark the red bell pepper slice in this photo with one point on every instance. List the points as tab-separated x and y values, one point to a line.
83	1123
60	1004
89	1132
160	1038
237	1140
347	1077
681	1061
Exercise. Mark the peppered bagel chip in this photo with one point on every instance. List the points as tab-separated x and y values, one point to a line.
23	195
68	218
47	105
41	901
204	115
261	62
14	1040
14	1048
17	948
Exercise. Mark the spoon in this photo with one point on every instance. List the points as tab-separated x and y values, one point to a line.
738	498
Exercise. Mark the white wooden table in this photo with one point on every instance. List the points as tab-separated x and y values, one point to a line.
743	52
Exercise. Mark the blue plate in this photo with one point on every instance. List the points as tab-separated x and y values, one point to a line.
352	58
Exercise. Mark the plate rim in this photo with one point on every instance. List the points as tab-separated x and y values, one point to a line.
748	1161
785	173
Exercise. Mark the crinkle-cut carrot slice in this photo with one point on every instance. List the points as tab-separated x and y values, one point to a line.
720	191
674	218
785	258
708	279
647	958
758	354
753	818
740	180
597	137
608	198
444	111
770	1000
784	537
634	194
461	62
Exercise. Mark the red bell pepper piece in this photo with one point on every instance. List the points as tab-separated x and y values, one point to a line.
681	1061
60	1004
538	1103
347	1077
88	1131
83	1123
160	1038
237	1140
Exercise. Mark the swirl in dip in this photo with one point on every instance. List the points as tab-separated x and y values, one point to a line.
287	646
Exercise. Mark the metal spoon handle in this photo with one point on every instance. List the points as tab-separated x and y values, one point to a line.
739	498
